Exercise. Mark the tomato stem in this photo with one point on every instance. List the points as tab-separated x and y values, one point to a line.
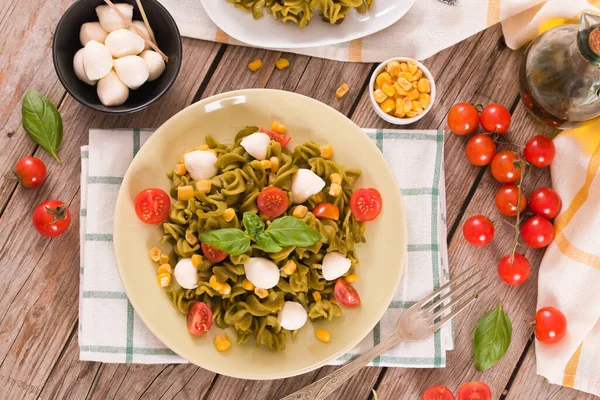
58	212
521	166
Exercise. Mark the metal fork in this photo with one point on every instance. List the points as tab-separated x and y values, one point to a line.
419	322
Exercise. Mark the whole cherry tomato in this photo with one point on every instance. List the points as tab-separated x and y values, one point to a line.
463	119
272	202
152	206
545	202
366	204
539	151
514	273
478	230
31	171
507	198
438	392
51	218
537	232
345	293
504	169
550	325
481	149
474	391
495	118
199	318
213	254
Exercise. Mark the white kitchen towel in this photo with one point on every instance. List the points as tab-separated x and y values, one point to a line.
109	329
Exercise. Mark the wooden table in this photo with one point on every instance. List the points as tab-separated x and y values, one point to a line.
39	355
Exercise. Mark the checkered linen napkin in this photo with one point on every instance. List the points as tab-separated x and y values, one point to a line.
110	330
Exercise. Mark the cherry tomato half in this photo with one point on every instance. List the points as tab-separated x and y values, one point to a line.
51	218
537	232
326	211
278	137
345	293
545	202
550	325
474	391
504	169
516	273
478	230
31	171
495	118
507	198
539	151
272	202
463	119
366	204
438	393
481	149
152	206
199	318
213	254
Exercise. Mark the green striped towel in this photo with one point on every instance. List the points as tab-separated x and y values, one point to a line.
109	329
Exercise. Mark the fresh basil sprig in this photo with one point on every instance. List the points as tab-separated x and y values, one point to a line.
42	122
284	231
491	338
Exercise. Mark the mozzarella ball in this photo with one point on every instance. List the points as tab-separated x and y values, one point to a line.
123	43
155	63
263	273
334	265
305	183
79	70
256	145
142	27
111	91
110	20
92	31
97	60
200	164
132	71
292	316
186	274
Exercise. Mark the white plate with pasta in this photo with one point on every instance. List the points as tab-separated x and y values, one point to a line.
259	22
236	279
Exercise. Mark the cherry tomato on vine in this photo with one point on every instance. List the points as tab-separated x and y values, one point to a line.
31	171
539	151
514	273
545	202
478	230
278	137
213	254
481	149
326	211
152	206
272	202
537	232
366	204
504	169
345	293
438	392
474	391
495	118
199	318
463	119
51	218
550	325
507	198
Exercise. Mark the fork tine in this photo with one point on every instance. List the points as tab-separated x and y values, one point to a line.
454	313
454	290
431	296
457	299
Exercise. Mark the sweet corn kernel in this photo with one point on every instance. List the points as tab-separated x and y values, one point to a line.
323	335
164	259
404	84
416	106
335	178
222	342
317	296
424	86
342	90
411	114
278	127
393	67
414	84
398	89
164	279
399	108
406	75
407	104
335	189
261	293
196	260
413	94
247	285
351	278
379	95
333	300
185	193
388	106
388	90
418	75
274	164
382	78
225	289
228	214
300	211
203	186
164	268
214	283
412	67
154	254
318	198
266	164
424	100
255	65
327	152
403	67
282	63
289	268
202	148
180	169
191	238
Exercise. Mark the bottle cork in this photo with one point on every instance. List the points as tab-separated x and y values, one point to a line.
594	40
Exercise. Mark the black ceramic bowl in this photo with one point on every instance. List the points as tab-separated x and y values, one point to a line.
66	43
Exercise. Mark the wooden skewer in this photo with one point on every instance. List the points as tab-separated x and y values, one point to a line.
150	32
142	35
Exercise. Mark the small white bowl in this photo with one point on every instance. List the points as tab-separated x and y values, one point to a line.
389	118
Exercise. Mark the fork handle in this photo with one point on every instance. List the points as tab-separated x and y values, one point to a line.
325	386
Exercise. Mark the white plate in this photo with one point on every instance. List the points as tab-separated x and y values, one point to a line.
270	33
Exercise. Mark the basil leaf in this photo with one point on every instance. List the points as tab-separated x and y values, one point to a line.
42	122
267	243
290	231
253	224
491	338
232	241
